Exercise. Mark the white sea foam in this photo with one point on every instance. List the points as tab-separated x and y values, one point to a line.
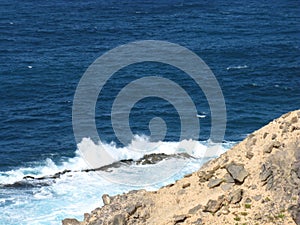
237	67
201	116
77	192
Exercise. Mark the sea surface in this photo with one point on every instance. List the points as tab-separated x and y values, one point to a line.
252	47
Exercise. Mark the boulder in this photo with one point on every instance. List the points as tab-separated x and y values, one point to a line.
106	199
236	196
214	182
214	205
70	222
237	172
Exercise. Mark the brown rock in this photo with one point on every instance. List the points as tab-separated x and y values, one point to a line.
249	155
180	218
131	209
294	119
228	179
205	176
188	175
119	219
214	205
265	173
70	222
237	171
214	183
106	199
236	196
195	209
227	186
186	185
268	148
276	144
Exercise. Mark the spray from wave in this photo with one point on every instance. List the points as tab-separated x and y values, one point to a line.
48	201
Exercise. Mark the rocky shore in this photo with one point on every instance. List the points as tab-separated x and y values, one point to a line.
255	182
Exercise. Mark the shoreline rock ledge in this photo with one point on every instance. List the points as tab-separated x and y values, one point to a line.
255	182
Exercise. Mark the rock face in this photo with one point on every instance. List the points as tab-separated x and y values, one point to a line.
256	182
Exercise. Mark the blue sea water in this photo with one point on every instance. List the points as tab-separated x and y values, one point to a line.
252	47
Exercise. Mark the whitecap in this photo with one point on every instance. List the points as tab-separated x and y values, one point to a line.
201	116
236	67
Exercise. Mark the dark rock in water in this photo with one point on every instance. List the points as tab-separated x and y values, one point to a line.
109	168
31	181
70	222
28	178
147	159
27	184
156	158
237	171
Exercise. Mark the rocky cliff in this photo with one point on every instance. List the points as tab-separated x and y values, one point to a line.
255	182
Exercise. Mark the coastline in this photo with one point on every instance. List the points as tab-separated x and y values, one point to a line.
255	182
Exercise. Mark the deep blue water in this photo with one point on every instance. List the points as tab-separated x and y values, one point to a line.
252	47
60	39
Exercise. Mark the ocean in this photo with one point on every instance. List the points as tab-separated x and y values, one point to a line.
252	48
